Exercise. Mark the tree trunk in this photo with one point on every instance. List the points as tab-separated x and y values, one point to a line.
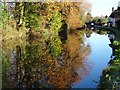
19	7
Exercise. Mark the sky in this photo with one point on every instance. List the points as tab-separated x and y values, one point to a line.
103	7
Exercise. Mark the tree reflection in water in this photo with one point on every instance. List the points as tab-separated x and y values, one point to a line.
34	67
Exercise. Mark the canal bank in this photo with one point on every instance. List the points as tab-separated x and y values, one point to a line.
110	78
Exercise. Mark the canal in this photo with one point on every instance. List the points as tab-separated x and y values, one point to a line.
29	64
99	58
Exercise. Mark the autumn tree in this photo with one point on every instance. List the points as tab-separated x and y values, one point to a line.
19	11
74	12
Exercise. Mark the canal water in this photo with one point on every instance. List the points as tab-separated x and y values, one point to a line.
99	58
28	64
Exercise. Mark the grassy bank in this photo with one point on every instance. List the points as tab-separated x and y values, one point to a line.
110	79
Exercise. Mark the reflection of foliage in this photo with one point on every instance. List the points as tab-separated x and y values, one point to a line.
72	60
36	68
88	33
73	50
32	63
101	32
5	67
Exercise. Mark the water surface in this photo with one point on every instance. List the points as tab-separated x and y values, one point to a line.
99	58
29	64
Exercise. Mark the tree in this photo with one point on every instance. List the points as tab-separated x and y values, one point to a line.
74	12
4	14
100	20
88	17
19	11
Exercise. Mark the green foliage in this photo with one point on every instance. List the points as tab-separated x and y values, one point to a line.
55	22
116	43
102	19
5	64
5	67
88	17
116	46
55	46
31	56
32	16
113	75
53	39
3	15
